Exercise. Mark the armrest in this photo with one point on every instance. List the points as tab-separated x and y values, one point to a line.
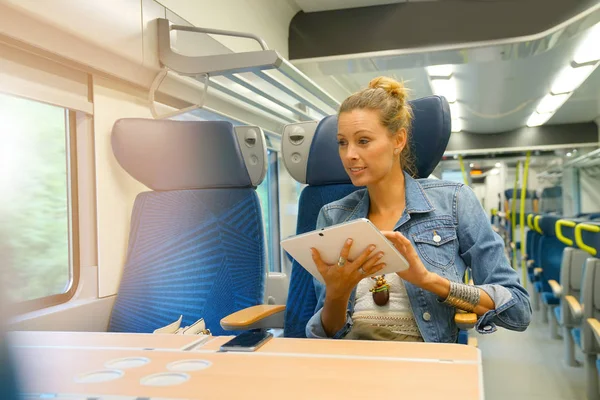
595	325
465	320
556	288
537	271
256	317
575	308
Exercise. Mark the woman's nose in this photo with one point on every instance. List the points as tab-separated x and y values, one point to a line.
351	153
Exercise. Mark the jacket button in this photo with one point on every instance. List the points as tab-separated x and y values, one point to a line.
426	316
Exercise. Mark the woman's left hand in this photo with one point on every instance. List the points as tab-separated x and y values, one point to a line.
416	274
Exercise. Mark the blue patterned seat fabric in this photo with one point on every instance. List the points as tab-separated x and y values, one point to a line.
328	181
197	252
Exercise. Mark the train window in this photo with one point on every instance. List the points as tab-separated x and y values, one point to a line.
289	194
269	202
35	206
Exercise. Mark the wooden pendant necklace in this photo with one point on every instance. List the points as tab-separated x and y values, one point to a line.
381	290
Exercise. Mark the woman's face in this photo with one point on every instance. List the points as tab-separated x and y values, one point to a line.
369	152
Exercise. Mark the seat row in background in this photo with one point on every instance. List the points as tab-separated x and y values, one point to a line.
564	270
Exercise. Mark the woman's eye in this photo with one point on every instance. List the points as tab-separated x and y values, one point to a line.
341	142
363	141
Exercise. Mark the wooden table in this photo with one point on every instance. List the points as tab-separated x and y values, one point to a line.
60	363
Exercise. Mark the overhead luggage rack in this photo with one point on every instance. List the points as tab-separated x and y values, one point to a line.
261	79
589	161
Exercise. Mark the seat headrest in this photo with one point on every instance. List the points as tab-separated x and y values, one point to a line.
529	194
555	191
310	152
179	155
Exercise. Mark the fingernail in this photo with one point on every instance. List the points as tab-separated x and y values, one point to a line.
379	255
349	241
371	247
312	250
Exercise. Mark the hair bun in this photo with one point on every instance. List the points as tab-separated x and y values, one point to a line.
391	86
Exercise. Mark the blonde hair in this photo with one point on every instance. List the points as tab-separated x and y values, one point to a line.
389	97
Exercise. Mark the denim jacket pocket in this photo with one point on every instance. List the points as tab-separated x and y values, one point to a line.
437	246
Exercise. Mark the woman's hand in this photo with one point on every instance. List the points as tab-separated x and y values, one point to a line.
340	280
416	274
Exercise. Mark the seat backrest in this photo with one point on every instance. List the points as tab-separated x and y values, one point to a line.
550	251
594	216
591	303
196	244
311	156
551	200
532	240
571	271
530	195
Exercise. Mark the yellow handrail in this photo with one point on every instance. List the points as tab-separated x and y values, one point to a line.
559	235
513	217
466	180
530	221
463	170
536	224
522	218
579	239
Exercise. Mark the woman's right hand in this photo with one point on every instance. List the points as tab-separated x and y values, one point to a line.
340	281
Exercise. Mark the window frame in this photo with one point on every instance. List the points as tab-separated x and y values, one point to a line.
73	225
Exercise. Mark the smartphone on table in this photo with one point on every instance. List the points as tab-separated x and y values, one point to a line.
247	341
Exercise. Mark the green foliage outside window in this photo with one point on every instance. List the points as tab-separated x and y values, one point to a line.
34	236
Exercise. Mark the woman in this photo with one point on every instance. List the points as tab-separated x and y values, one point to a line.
439	227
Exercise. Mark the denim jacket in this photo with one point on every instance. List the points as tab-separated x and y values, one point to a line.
467	240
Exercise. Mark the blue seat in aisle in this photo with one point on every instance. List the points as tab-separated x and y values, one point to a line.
550	251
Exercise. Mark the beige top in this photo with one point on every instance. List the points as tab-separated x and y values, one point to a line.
396	315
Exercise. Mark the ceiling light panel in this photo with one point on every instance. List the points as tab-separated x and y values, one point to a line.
454	110
570	78
456	125
550	103
589	48
445	87
537	119
440	70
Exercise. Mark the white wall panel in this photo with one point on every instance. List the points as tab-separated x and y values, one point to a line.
115	189
115	25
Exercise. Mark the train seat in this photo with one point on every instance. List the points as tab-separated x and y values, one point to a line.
196	245
571	273
550	251
551	200
328	181
310	153
586	308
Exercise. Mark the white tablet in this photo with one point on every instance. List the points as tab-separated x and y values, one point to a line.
330	240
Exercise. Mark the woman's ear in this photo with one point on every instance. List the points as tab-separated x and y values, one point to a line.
400	140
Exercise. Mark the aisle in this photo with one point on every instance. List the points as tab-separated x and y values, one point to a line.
529	365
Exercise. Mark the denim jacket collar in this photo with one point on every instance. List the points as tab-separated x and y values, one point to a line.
416	201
